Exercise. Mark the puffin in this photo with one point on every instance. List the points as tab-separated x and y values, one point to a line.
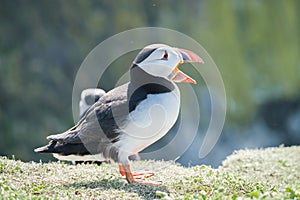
87	98
130	117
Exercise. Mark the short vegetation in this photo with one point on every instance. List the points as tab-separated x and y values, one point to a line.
272	173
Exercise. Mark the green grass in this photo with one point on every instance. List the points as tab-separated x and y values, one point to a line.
272	173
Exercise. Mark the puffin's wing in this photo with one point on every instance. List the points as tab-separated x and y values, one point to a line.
70	136
103	119
97	127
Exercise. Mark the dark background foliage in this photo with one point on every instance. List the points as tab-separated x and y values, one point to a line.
255	44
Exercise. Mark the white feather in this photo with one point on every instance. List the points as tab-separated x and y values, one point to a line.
97	157
150	121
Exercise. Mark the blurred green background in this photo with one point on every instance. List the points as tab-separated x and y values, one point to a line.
254	43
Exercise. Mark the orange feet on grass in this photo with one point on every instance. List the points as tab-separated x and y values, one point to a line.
136	177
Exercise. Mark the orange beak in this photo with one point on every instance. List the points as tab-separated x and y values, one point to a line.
187	56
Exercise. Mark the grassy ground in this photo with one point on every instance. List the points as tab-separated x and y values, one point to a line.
272	173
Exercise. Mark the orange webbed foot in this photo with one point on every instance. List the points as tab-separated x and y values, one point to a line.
138	176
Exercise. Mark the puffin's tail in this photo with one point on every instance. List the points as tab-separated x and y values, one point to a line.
63	148
49	148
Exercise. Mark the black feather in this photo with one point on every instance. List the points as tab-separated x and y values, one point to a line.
145	53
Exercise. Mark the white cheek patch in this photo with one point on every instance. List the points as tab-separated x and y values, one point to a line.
160	68
157	69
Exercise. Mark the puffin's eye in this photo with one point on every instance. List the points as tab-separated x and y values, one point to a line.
165	57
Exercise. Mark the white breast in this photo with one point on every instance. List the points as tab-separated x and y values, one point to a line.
150	121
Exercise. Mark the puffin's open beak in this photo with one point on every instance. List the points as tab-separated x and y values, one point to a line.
187	56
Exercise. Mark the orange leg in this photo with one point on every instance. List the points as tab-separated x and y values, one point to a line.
121	169
136	177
